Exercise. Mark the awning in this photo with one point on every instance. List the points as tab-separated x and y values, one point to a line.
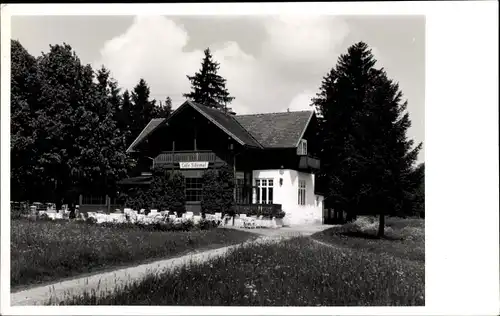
141	180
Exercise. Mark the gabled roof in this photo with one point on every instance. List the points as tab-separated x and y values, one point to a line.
268	130
277	130
152	125
228	124
225	122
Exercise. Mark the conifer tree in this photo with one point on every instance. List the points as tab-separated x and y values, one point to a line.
142	109
207	86
163	110
367	160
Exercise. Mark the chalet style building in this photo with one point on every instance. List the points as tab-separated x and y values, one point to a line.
270	154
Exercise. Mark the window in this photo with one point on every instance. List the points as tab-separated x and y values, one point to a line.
264	191
302	192
243	187
302	149
194	189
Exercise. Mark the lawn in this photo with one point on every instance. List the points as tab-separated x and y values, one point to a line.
44	251
404	238
294	272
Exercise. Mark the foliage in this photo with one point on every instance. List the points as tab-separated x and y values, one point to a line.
416	197
294	272
71	126
44	217
267	211
208	87
43	251
163	110
19	209
141	111
24	90
367	160
91	220
166	192
218	191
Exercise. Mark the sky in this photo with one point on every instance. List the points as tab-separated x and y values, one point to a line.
271	63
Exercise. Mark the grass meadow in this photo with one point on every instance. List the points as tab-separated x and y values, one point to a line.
45	251
352	269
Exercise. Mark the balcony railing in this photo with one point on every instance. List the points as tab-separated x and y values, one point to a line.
186	156
308	162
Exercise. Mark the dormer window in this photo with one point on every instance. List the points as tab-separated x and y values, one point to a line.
302	148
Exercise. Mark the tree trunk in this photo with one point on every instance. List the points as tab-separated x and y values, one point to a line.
381	226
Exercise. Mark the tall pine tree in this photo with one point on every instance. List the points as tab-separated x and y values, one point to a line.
142	110
163	110
207	86
367	159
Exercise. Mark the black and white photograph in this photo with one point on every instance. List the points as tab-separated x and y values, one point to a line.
223	160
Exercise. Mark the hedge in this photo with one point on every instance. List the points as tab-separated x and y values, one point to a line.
266	210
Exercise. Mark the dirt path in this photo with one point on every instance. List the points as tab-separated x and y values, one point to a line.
107	281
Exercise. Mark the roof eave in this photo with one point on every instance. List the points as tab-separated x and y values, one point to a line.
208	117
135	142
305	128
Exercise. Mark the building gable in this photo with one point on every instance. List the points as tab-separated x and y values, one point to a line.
277	130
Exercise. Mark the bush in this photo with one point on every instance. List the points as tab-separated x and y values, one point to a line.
166	192
206	224
18	209
218	191
44	217
267	211
90	220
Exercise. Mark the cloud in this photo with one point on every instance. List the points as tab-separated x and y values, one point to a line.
293	58
303	40
302	101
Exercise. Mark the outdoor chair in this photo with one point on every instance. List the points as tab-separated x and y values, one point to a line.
196	219
249	222
238	222
259	221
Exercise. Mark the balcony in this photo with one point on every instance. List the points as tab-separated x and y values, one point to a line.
187	156
309	163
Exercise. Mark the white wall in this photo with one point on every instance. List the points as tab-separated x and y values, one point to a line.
287	195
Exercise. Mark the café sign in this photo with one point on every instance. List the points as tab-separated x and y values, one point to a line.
194	165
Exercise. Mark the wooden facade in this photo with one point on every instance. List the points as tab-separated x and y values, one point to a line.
190	137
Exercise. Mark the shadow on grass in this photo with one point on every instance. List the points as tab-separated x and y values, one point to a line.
404	238
363	235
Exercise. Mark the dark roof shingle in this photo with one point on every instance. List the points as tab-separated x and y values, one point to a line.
228	123
276	130
267	130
